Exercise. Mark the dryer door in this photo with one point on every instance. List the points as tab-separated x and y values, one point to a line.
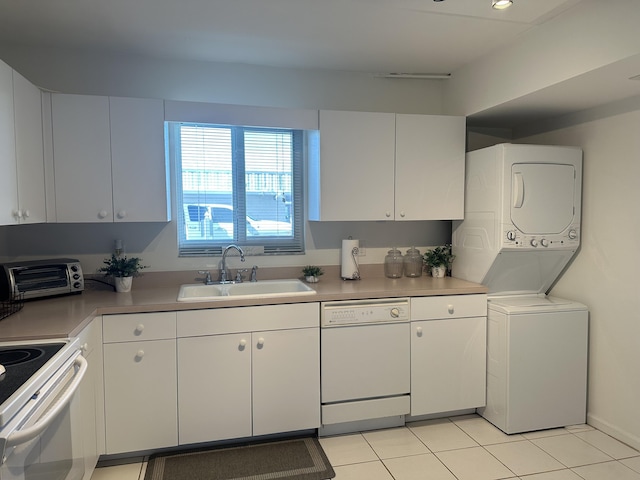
542	197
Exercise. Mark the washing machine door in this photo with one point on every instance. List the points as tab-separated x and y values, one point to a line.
543	197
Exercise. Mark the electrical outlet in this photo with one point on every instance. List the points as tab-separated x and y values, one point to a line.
362	251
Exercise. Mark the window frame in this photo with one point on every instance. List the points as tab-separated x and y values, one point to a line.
268	245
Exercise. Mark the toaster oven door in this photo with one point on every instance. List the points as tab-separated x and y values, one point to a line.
39	281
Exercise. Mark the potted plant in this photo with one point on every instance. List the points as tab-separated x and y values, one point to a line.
311	273
122	269
438	260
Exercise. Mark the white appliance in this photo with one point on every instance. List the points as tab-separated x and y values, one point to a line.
364	360
536	363
521	228
40	426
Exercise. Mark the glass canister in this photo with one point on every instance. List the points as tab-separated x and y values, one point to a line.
413	263
393	263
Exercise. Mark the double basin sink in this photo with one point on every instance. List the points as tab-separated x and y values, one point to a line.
199	292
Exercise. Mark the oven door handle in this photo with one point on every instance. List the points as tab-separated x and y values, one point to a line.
23	436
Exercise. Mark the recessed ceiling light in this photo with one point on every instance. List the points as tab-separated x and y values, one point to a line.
501	4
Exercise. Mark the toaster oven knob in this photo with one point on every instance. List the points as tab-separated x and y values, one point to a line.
77	285
76	276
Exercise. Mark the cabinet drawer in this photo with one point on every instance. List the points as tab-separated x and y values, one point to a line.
449	306
134	327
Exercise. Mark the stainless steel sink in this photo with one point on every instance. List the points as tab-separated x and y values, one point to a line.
198	292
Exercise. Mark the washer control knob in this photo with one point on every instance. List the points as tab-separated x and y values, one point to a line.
573	234
544	242
534	242
395	313
511	235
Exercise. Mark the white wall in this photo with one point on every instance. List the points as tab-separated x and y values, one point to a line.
591	35
73	72
604	275
136	76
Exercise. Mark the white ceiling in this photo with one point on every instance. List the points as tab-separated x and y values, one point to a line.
357	35
374	36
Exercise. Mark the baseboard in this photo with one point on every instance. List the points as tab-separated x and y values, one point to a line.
625	437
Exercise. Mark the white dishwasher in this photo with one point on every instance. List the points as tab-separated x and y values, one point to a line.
365	359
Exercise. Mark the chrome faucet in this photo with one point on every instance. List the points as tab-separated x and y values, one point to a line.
224	275
207	279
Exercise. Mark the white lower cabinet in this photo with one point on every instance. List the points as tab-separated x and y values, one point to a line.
248	371
286	380
214	387
140	381
448	353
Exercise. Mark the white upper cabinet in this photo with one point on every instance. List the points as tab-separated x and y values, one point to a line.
429	176
353	178
385	166
8	179
109	159
27	101
22	187
82	158
139	168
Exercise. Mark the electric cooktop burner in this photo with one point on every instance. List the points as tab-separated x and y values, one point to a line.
21	362
20	355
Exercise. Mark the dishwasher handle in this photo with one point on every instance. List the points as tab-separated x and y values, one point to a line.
22	436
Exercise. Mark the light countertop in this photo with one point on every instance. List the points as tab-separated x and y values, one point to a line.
66	316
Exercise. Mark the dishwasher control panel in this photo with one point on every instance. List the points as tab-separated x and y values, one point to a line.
358	312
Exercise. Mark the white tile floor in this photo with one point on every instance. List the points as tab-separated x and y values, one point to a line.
463	448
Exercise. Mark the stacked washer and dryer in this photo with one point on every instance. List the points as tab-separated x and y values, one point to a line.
520	230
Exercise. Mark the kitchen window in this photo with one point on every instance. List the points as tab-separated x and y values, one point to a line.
238	184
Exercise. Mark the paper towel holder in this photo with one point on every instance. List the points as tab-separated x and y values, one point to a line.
350	269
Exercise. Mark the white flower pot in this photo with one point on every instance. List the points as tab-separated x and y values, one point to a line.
123	284
439	272
311	279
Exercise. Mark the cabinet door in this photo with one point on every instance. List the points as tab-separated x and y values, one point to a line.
214	387
29	151
82	158
429	177
8	179
138	160
448	364
140	385
353	178
286	380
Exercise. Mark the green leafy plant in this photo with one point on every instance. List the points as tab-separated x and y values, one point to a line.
312	271
439	256
122	266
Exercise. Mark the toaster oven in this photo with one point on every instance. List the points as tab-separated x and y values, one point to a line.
40	278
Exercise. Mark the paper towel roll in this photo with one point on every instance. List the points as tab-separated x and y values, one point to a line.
349	259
